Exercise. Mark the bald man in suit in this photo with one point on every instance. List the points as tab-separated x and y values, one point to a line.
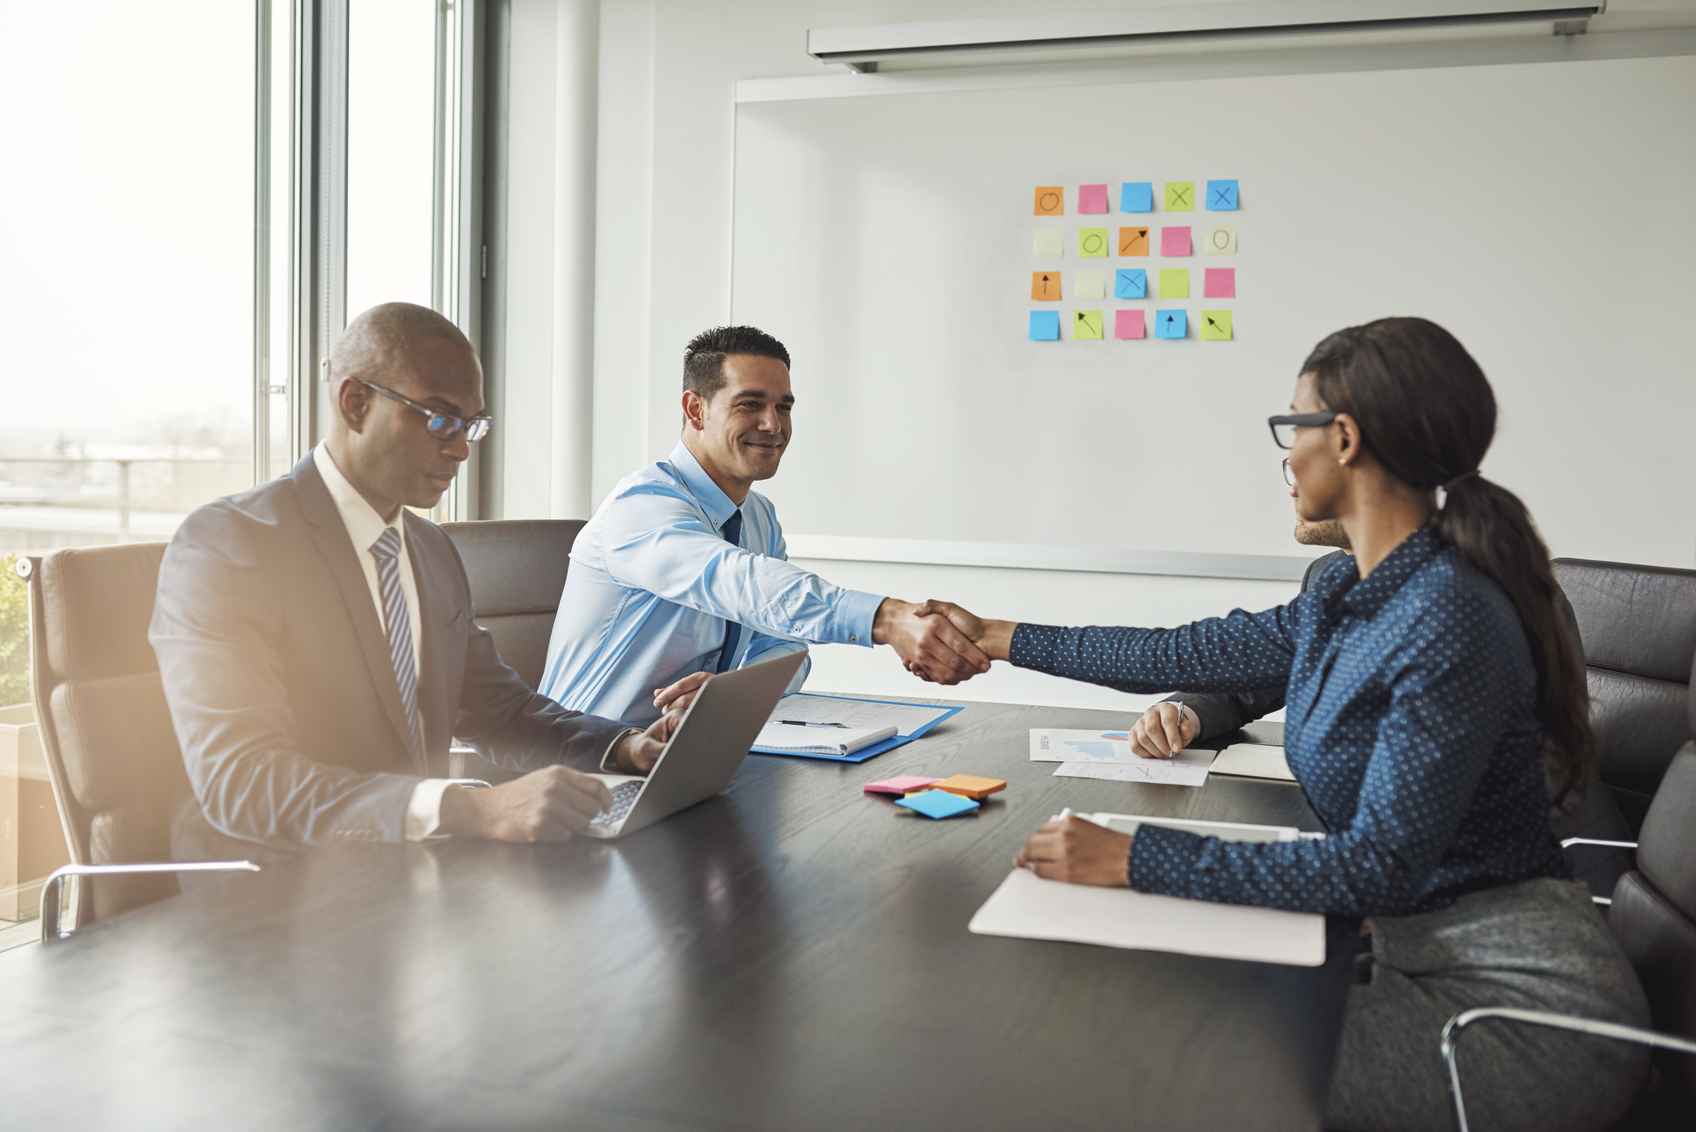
316	642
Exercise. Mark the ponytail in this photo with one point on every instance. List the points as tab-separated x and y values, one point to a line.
1427	414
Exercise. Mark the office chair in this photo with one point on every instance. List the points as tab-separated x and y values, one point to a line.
1653	915
517	572
112	753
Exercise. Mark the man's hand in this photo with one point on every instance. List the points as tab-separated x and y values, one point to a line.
994	638
930	646
1162	731
549	804
1079	852
637	754
681	694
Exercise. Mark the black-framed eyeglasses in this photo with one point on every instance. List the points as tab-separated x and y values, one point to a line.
442	426
1289	477
1284	428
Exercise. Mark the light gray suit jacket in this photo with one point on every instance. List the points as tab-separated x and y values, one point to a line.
277	672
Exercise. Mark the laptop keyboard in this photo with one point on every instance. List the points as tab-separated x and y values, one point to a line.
623	797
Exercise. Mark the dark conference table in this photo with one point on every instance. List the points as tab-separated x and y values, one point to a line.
791	955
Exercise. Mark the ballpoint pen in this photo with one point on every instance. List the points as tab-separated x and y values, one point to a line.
806	723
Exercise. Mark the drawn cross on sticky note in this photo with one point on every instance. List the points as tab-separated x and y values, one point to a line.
1130	283
1180	196
1222	196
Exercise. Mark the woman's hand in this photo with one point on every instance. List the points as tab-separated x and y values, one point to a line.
1162	731
995	638
1079	852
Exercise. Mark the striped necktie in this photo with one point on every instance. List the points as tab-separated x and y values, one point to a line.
732	532
386	550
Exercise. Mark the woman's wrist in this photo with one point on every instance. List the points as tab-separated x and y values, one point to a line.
997	639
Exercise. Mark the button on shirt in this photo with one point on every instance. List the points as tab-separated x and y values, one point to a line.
1411	725
364	527
653	583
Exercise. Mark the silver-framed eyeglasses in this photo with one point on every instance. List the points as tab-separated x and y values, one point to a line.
1284	428
442	426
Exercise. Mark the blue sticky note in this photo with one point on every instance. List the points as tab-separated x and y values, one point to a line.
1045	326
1171	324
937	804
1221	196
1136	196
1130	283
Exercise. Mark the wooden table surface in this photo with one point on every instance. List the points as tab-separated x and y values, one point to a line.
791	955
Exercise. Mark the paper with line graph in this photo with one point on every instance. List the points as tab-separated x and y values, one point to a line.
1186	768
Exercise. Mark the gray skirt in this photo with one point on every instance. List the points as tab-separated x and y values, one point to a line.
1536	945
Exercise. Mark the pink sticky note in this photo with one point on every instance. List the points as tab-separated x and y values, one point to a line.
1175	241
1092	198
900	784
1127	324
1219	283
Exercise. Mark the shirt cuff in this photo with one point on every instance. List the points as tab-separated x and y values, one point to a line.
1164	860
855	612
424	810
609	758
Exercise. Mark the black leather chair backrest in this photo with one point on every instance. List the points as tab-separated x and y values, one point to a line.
1639	630
1654	915
517	571
111	751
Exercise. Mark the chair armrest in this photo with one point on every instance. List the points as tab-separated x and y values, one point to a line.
1452	1030
1591	841
50	888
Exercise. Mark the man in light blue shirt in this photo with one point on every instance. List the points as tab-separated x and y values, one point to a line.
683	572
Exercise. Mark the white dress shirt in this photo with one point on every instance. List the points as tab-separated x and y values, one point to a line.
364	527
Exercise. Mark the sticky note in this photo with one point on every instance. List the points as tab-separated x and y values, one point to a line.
1219	283
1180	196
1092	198
1215	326
1170	324
1174	282
1221	196
1050	200
1220	240
1086	325
1091	285
1048	243
1127	324
1175	241
900	784
970	785
1136	196
1045	326
1130	283
1133	241
937	804
1092	243
1045	286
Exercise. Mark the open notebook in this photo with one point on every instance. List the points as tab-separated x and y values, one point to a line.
818	739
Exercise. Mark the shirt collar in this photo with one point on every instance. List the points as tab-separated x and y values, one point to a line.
708	494
364	525
1368	595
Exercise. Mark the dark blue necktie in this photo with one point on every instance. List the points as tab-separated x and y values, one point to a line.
732	532
386	550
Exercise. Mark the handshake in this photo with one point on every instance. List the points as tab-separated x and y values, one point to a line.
940	642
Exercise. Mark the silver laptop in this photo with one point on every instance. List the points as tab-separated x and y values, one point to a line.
705	751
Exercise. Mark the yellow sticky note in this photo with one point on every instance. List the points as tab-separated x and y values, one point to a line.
1050	200
1092	243
1174	282
1133	241
1049	242
1086	324
1221	240
1216	326
1045	286
1091	285
1180	196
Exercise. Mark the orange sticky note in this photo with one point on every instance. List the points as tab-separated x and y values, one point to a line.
1133	241
1050	200
1045	286
970	785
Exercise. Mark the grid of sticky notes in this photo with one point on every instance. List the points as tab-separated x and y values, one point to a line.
1090	298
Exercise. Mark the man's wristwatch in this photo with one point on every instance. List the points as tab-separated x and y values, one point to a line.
609	761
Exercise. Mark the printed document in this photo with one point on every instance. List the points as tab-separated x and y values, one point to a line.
1186	768
1254	760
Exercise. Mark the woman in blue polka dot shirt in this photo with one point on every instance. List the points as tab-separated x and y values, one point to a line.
1429	680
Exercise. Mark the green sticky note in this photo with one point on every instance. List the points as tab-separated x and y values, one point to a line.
1086	324
1216	326
1048	242
1174	282
1092	243
1180	196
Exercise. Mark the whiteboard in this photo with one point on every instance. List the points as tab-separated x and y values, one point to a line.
1542	212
